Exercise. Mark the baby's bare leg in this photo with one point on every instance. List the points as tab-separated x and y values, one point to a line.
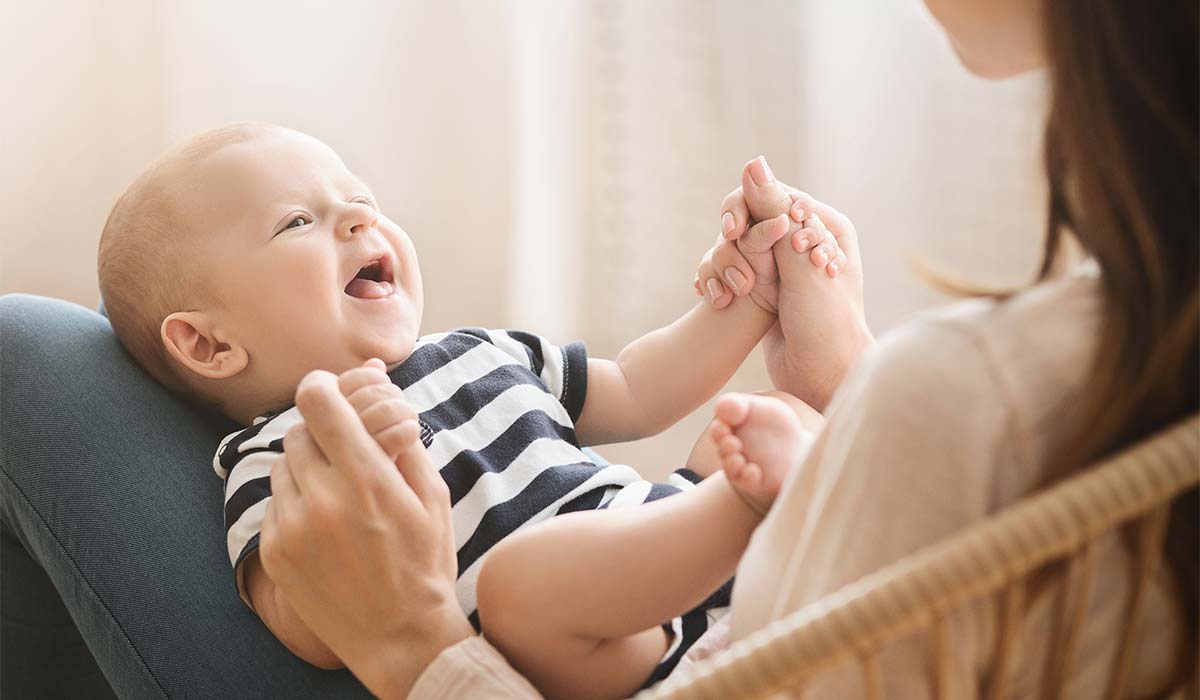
575	603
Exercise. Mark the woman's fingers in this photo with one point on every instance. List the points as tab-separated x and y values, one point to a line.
282	509
307	458
285	493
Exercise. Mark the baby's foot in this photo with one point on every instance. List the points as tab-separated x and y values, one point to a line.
822	329
759	439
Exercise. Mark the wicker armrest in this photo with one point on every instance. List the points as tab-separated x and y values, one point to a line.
993	556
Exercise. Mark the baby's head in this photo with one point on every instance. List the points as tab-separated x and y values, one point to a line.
248	256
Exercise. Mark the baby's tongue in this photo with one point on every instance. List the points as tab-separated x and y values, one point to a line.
368	289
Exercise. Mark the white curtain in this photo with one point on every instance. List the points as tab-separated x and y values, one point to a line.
559	164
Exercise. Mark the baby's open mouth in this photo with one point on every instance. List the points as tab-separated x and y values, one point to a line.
373	281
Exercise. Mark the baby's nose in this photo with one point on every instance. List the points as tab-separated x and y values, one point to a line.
358	220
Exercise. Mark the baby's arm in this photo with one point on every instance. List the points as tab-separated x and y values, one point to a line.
666	374
281	618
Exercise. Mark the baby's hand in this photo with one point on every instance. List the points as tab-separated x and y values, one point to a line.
381	406
755	216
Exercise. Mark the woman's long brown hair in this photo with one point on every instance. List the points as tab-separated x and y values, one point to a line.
1122	156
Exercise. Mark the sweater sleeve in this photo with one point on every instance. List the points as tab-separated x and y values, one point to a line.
471	669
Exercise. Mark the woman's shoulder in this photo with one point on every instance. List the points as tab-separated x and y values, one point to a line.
1043	336
991	372
1058	316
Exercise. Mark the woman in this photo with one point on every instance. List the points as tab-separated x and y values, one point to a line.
1055	378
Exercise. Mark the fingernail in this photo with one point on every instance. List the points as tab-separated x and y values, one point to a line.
803	244
735	278
727	223
833	269
714	290
767	168
822	256
760	172
798	213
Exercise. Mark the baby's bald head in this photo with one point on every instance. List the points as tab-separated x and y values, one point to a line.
147	258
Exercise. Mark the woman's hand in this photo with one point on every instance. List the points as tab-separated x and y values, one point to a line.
360	546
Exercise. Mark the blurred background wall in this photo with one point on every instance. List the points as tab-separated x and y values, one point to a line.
560	165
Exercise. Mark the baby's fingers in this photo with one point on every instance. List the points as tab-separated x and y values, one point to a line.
762	236
734	215
735	272
352	380
709	284
397	439
387	413
366	397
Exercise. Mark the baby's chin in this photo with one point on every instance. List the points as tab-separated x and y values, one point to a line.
393	352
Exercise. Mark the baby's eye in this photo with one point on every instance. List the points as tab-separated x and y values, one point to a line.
298	222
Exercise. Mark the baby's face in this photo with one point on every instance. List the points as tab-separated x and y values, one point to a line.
304	270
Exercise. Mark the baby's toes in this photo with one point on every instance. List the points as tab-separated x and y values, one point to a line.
733	462
836	265
823	254
732	409
729	445
750	477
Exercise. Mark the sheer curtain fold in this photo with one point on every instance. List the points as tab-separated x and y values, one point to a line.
559	165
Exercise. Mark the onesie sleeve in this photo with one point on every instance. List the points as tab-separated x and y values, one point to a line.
244	460
471	668
563	369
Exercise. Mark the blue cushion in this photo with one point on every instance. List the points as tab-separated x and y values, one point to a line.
106	481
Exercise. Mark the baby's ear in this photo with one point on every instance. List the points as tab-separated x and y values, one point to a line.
190	338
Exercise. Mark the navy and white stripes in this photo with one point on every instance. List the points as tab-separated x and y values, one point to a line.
498	410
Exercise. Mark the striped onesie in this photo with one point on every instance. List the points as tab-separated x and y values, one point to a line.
497	411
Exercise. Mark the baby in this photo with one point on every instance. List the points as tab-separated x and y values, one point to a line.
250	256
